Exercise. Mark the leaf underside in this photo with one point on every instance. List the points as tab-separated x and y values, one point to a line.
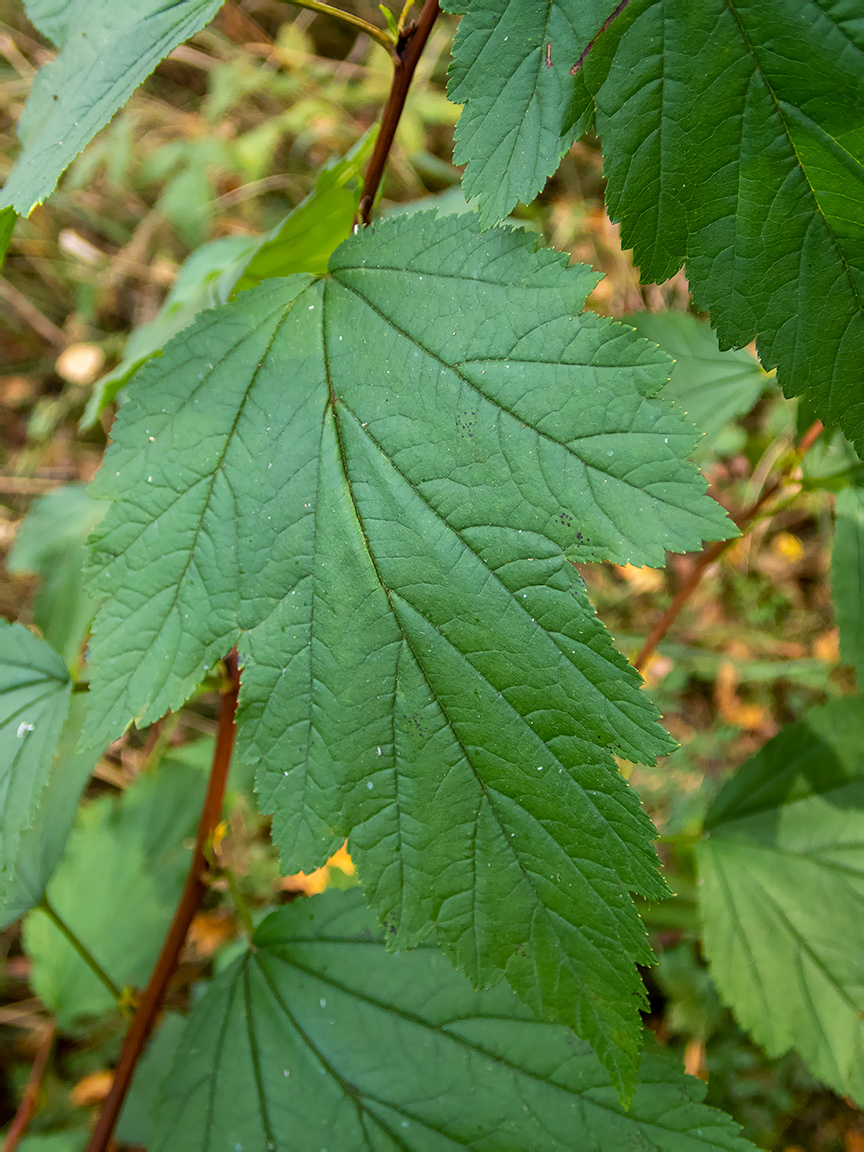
733	139
320	1038
782	894
374	484
107	47
34	698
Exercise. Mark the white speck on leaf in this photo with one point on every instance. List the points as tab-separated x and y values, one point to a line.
24	727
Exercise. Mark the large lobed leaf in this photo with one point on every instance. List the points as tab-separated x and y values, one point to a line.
733	137
782	893
375	484
317	1038
106	48
34	699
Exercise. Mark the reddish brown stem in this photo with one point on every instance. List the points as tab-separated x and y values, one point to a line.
707	558
31	1093
153	995
406	57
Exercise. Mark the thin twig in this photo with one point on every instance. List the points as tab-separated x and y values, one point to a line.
83	951
406	56
380	34
706	559
31	1093
153	995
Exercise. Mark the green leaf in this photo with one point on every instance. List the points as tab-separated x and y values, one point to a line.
847	578
733	138
309	234
65	1141
51	17
7	227
712	386
206	278
116	887
511	70
41	844
782	894
318	1038
34	698
50	541
375	484
302	242
107	47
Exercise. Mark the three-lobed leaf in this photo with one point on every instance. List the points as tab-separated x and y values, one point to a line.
733	137
319	1038
106	48
34	699
782	894
375	485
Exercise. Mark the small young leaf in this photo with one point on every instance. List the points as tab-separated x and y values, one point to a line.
712	386
375	484
782	894
34	698
318	1038
847	578
310	233
116	887
107	47
733	139
50	541
41	845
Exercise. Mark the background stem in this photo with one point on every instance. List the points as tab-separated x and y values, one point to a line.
193	891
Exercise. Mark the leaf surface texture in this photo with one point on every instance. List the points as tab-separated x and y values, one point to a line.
106	48
782	894
375	484
320	1038
34	698
733	139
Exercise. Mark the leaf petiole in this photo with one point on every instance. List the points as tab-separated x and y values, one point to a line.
86	955
385	38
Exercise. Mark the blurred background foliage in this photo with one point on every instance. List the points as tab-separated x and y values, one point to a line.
226	137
